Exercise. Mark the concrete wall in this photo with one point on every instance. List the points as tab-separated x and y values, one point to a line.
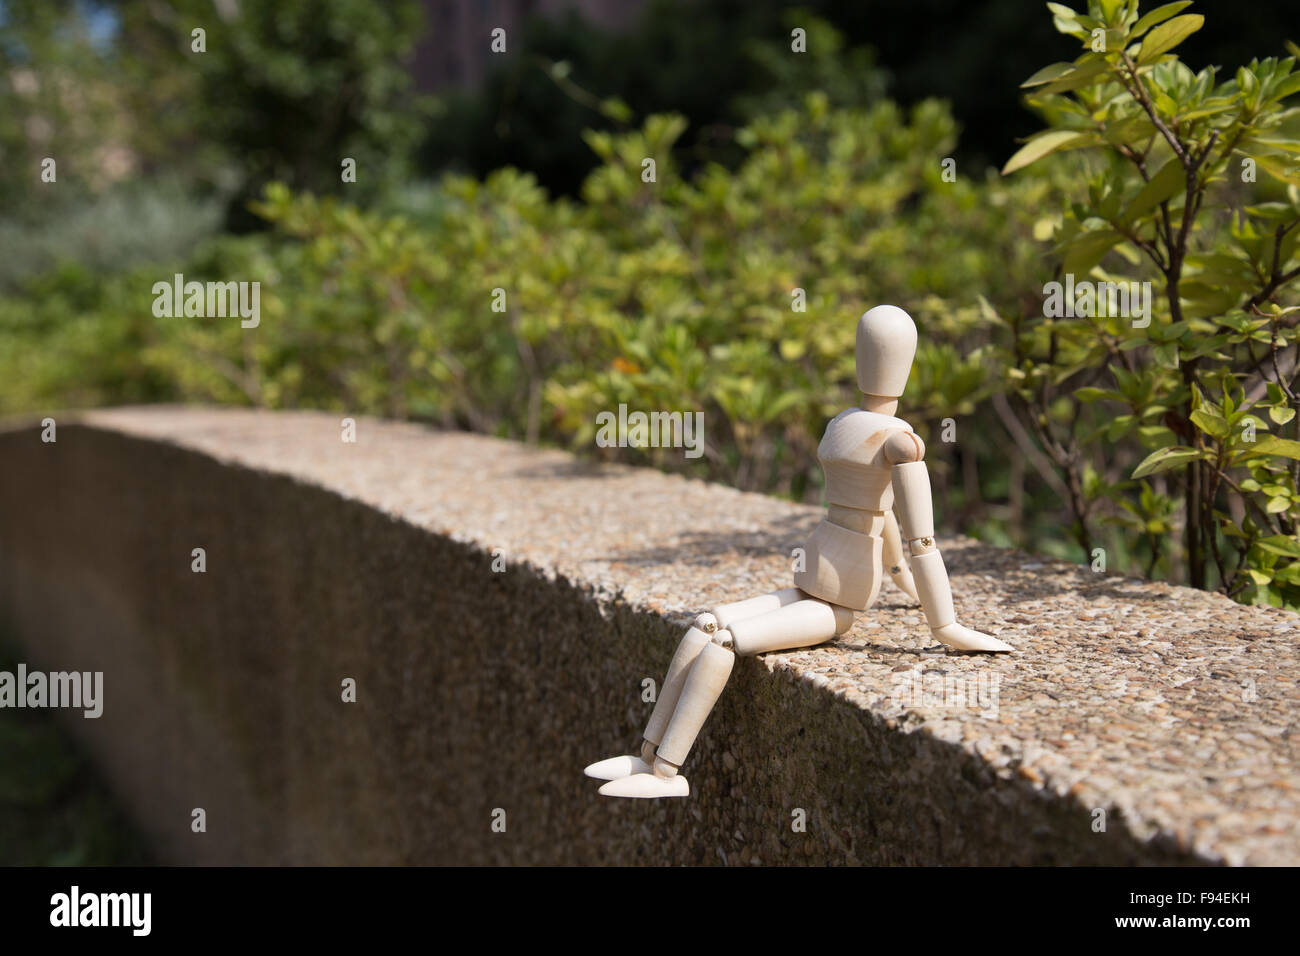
476	690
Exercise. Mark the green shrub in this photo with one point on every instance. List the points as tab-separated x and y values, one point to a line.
1190	183
672	295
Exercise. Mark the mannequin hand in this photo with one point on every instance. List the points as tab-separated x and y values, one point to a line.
964	639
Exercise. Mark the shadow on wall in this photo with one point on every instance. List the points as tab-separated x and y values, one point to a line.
55	808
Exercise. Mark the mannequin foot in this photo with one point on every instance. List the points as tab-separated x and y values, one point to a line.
964	639
616	767
647	786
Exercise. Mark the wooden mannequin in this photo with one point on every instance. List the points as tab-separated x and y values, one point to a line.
873	462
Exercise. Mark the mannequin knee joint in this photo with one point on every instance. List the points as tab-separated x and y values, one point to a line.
708	623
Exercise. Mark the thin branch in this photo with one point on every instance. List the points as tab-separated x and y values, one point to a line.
1026	445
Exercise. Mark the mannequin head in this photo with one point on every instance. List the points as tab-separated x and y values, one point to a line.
885	349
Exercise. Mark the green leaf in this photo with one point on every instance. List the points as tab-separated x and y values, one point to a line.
1155	436
1212	423
1045	144
1166	355
1280	544
1278	504
1085	73
1279	169
1158	15
1166	459
1119	427
1047	74
1109	8
1168	35
1090	394
1165	184
1065	20
616	109
1281	414
1282	447
1290	574
1288	87
1084	251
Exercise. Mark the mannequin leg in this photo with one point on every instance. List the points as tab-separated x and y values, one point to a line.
911	482
800	623
721	617
679	669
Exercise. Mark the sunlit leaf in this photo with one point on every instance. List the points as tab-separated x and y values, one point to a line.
1168	35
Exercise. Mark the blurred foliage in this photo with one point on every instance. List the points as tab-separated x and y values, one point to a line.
1193	185
283	85
676	294
128	224
974	52
778	180
290	88
54	811
58	98
279	91
718	64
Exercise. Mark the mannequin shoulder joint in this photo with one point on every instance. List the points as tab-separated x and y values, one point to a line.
904	446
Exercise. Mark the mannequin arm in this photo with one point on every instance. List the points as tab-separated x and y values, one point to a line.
911	483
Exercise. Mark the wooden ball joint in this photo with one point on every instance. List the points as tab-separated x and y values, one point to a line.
875	467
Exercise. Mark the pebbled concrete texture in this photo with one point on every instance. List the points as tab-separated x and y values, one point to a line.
1165	714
